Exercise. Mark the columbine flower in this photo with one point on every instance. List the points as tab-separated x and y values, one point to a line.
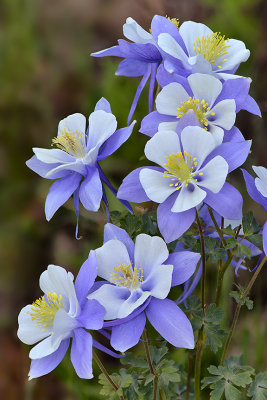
137	280
143	56
203	51
62	313
192	170
75	161
257	189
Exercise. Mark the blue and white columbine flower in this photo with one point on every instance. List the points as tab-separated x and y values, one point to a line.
201	96
62	313
203	51
192	170
143	56
137	280
75	162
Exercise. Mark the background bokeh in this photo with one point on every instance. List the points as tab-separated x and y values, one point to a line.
46	73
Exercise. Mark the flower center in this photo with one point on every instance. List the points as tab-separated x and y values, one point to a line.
126	276
180	169
73	143
174	21
201	109
44	310
212	47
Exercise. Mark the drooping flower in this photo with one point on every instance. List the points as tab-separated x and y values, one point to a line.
75	162
61	314
137	280
199	100
143	56
203	51
257	189
192	170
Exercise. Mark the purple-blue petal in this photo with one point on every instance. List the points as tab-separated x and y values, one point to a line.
173	225
251	106
112	232
127	335
103	348
103	105
92	315
42	168
253	191
131	188
228	202
43	366
190	287
60	192
81	353
233	135
150	123
236	89
131	67
91	190
161	24
147	52
138	92
184	265
111	51
171	323
86	278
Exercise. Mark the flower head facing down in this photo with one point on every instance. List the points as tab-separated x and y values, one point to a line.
62	313
138	276
74	162
204	51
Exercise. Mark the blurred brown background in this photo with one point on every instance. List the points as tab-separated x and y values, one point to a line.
46	73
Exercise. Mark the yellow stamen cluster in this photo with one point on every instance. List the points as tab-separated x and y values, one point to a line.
73	143
44	310
175	21
201	109
212	46
180	169
126	276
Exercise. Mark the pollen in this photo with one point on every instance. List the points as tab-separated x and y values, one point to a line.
201	109
127	276
44	310
73	143
180	168
174	21
213	47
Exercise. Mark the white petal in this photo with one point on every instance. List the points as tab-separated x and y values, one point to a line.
168	44
57	280
167	126
224	114
190	31
76	166
170	98
159	281
214	174
137	298
261	181
217	133
52	156
156	186
134	32
62	327
236	54
197	142
101	126
43	349
111	297
109	256
149	252
205	87
28	332
161	145
74	122
189	197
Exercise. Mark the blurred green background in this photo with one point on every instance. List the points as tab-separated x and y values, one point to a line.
46	73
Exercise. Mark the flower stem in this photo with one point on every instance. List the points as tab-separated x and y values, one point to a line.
189	371
203	279
200	344
105	372
237	311
162	394
155	388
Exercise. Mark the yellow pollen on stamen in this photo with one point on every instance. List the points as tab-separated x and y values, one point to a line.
73	143
44	310
126	276
174	21
212	47
180	168
201	109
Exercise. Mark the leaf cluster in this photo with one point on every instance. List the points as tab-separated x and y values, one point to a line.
135	224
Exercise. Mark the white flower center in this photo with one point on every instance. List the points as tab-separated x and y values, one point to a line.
44	310
73	143
180	169
201	109
126	276
212	46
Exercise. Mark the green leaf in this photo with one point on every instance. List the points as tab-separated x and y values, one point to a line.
242	300
249	224
255	239
245	250
214	313
231	243
232	393
217	390
258	388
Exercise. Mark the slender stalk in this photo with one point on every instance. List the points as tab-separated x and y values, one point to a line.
105	372
237	311
189	371
145	339
216	226
162	394
203	279
200	344
155	388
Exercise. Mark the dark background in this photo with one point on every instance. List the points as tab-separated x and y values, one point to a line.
46	73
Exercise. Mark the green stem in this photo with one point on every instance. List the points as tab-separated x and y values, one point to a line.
105	372
200	344
203	279
189	371
221	272
216	226
162	394
155	388
238	307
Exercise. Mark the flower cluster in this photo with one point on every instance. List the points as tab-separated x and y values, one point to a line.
195	145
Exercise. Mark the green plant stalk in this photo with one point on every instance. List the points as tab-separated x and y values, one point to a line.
221	272
189	371
162	394
105	372
155	388
238	308
200	344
